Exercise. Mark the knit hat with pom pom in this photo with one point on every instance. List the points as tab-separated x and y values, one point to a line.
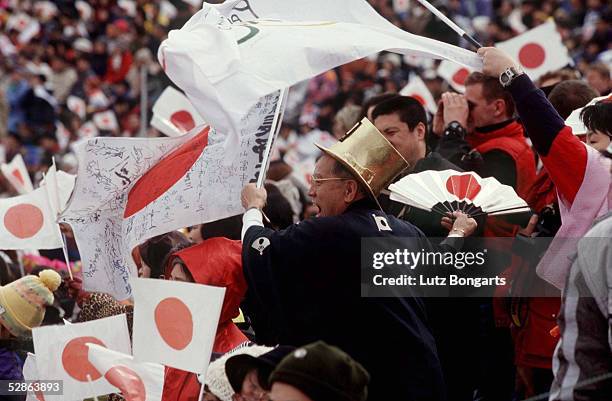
23	302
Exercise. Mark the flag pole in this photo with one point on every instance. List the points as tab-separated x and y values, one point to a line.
201	396
91	386
450	23
274	129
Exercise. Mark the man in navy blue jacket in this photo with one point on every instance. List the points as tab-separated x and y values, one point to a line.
307	276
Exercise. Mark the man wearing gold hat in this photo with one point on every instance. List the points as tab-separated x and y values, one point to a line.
307	277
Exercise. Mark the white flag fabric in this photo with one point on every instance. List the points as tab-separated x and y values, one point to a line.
228	56
62	353
62	135
116	206
30	372
173	113
175	323
59	186
27	222
539	50
77	105
106	120
137	381
454	74
417	89
17	174
573	120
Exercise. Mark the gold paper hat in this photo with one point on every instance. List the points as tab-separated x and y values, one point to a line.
369	156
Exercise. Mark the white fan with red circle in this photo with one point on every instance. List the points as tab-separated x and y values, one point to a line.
444	192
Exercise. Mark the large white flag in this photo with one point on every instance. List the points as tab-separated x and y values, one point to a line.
62	354
137	381
175	323
173	113
539	50
116	206
17	174
228	56
30	372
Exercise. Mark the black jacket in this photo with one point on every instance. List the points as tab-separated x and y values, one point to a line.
308	279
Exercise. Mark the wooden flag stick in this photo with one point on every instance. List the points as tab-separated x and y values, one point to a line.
450	23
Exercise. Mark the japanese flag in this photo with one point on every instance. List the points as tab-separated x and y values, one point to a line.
27	221
175	323
539	50
417	89
62	354
173	113
454	74
31	30
106	120
59	185
30	372
401	6
77	106
19	22
17	174
137	381
88	130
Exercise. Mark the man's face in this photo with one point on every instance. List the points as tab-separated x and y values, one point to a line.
482	113
598	140
401	137
251	388
328	195
285	392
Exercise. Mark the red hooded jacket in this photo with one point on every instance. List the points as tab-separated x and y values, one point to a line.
216	262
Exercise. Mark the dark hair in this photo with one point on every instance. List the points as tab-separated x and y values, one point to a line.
408	109
492	90
570	95
374	101
229	227
278	209
176	259
155	251
598	117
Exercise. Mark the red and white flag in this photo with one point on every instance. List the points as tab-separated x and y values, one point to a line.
77	105
17	174
401	6
106	120
62	135
30	372
27	222
88	130
131	189
18	22
175	323
62	354
173	113
454	74
31	30
417	89
539	50
137	381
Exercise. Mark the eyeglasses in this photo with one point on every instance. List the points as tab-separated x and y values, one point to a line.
316	182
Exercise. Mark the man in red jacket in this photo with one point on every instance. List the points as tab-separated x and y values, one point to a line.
479	133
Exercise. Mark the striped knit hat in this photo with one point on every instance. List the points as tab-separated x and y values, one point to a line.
23	302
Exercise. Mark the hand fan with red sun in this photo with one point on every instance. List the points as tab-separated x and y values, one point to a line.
447	191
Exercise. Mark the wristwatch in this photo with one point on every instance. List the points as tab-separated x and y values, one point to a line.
455	128
506	77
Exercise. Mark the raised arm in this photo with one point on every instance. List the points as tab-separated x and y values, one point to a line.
563	154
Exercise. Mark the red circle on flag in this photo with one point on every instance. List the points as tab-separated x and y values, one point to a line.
24	220
174	323
17	174
532	55
128	381
75	360
419	98
183	120
463	186
165	174
460	76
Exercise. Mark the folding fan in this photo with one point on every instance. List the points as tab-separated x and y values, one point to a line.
447	191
